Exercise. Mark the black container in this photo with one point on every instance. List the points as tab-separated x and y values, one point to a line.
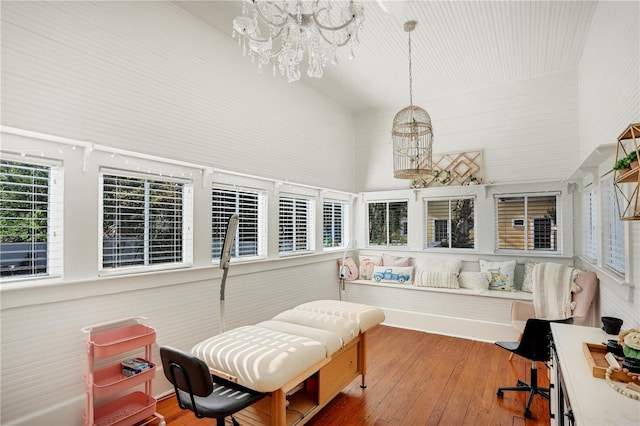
614	347
611	325
631	364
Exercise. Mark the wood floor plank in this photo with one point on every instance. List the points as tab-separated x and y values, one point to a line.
416	378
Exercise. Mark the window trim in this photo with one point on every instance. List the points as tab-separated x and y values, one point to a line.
55	219
449	199
310	223
559	251
346	235
388	239
187	224
262	212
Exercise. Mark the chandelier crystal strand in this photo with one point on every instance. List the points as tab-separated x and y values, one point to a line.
316	29
412	134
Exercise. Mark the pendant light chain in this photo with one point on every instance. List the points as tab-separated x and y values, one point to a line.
410	76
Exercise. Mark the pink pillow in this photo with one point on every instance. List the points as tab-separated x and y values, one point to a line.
388	260
351	266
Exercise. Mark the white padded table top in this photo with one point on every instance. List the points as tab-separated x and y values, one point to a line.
262	359
330	341
341	327
364	315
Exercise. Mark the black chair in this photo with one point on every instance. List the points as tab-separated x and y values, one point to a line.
196	390
534	345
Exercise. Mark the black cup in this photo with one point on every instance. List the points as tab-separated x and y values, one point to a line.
611	325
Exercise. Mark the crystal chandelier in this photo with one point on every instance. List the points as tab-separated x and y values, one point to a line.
412	134
284	31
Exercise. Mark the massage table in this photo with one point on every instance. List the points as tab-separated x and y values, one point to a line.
302	358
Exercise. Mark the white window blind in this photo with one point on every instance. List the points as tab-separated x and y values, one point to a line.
251	234
296	230
540	231
30	219
612	229
387	223
590	207
145	222
449	223
334	224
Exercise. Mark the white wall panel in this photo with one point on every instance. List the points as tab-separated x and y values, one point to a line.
609	95
149	77
528	130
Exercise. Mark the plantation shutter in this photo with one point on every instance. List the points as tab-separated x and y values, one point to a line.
249	207
142	221
30	219
613	230
295	224
333	224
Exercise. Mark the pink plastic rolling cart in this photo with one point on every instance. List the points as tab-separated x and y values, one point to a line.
108	403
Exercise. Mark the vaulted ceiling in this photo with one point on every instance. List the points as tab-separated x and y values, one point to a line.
457	46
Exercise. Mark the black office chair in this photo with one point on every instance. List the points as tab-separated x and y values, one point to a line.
196	390
534	345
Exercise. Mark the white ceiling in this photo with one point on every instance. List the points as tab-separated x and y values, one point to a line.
457	46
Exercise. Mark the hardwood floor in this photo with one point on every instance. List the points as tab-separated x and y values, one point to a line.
416	378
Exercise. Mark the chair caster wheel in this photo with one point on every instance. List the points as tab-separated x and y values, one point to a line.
500	393
527	414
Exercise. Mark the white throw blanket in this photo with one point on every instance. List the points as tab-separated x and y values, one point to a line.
552	287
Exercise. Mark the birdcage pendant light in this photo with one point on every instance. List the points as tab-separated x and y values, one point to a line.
412	134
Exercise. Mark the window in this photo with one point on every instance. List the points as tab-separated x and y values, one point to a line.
296	230
388	223
538	230
450	223
145	222
590	225
250	206
612	229
334	223
30	219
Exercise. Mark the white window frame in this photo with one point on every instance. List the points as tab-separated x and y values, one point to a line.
529	221
342	219
450	201
613	232
55	211
308	205
404	226
219	224
187	224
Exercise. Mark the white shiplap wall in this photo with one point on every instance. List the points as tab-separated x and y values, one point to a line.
609	95
148	77
527	129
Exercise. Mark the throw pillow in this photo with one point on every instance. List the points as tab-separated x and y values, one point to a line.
527	283
388	260
352	268
474	280
433	264
394	274
438	279
501	274
366	266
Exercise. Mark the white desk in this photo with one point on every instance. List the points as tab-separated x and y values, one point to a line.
591	399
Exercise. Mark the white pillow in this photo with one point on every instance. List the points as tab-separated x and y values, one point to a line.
433	264
474	280
437	279
501	273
